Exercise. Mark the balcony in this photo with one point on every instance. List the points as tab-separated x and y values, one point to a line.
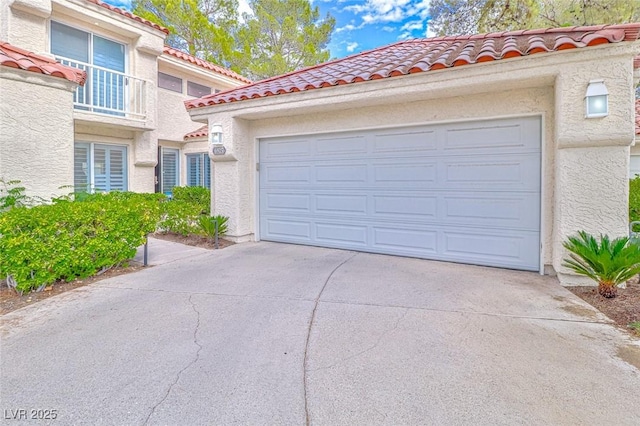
109	92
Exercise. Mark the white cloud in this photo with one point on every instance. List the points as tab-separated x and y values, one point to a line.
374	11
352	46
412	26
388	29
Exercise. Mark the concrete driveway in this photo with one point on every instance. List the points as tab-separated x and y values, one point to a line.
275	334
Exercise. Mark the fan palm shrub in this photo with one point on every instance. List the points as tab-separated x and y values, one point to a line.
608	262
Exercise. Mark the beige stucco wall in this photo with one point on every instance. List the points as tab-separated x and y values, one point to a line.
36	132
585	161
173	119
25	23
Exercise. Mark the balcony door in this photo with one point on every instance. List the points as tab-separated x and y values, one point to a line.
104	62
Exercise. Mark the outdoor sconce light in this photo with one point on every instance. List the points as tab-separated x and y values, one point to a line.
215	134
597	99
215	140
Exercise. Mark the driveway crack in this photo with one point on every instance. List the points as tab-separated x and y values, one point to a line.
306	344
186	367
370	348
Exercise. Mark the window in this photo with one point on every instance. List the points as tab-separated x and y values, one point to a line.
199	170
169	170
197	90
169	82
99	167
102	59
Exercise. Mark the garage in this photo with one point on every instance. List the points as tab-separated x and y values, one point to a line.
465	192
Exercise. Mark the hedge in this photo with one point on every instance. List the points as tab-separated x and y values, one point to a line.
70	239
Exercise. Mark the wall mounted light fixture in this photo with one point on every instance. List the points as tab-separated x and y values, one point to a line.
597	99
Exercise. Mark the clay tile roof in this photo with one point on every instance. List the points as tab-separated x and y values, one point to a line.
204	64
12	56
129	15
637	116
200	133
421	55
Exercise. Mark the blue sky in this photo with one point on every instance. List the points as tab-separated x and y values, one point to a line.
362	24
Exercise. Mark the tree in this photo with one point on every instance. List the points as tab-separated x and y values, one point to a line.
281	36
454	17
204	28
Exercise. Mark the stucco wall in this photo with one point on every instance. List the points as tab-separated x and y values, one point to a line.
36	132
173	119
584	160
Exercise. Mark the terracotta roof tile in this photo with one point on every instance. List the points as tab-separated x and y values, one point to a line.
12	56
421	55
129	15
204	64
200	133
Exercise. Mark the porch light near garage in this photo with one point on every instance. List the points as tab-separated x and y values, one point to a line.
597	99
215	134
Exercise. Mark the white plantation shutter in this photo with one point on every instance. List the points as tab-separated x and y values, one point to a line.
82	168
193	170
117	167
199	170
170	171
206	161
106	168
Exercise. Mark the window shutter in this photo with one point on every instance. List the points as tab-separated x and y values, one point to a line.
193	170
69	42
169	169
207	170
117	169
81	168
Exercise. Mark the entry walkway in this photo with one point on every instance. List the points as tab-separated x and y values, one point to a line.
162	251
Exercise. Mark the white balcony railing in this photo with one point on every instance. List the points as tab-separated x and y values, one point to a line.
109	92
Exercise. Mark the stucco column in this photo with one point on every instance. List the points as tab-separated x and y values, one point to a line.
145	158
591	160
231	193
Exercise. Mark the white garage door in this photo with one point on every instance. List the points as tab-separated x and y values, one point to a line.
466	192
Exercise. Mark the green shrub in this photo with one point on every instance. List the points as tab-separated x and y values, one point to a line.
208	225
12	194
195	195
634	199
68	239
607	262
182	213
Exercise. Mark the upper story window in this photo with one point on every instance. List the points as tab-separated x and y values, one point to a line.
108	90
89	48
197	90
169	82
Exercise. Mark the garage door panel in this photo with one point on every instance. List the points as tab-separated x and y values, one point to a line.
484	137
505	172
415	141
286	229
288	174
419	241
347	173
468	192
491	248
353	235
408	205
334	203
508	212
275	201
286	149
403	172
342	145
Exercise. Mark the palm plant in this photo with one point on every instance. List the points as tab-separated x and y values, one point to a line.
607	262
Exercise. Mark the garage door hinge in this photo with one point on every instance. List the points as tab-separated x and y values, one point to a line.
258	167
